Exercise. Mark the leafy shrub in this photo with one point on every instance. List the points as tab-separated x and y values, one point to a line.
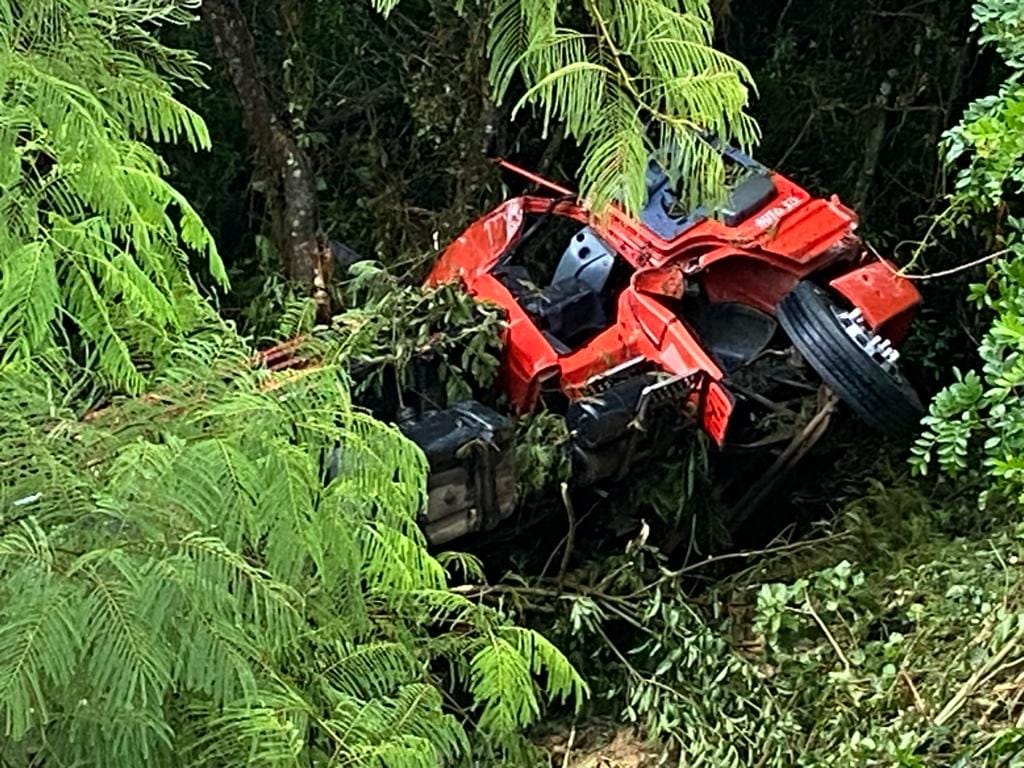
179	583
176	579
975	428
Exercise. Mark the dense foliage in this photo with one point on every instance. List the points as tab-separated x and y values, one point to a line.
180	577
891	635
636	65
888	638
975	431
94	241
179	580
206	562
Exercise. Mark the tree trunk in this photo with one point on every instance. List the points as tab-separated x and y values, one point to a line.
282	164
873	141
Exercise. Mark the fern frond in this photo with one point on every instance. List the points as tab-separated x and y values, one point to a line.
394	563
650	59
27	545
501	679
563	681
216	656
40	645
217	581
407	730
372	669
286	511
616	162
297	318
442	607
175	562
125	735
469	567
502	686
87	232
270	729
127	609
506	44
28	299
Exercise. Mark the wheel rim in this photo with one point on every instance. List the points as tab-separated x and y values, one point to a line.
878	348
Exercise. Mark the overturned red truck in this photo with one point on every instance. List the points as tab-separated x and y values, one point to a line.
623	323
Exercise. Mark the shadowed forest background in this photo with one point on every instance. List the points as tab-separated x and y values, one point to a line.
185	184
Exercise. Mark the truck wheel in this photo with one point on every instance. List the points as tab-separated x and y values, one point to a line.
858	365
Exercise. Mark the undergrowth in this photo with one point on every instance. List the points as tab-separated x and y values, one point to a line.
893	636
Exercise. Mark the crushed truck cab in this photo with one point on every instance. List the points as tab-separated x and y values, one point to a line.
621	322
633	329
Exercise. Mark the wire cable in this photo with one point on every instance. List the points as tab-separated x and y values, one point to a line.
941	273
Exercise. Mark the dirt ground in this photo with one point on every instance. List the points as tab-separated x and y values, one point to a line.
601	745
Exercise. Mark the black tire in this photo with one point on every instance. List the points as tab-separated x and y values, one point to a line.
883	399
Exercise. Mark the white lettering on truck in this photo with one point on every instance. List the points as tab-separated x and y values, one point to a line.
773	215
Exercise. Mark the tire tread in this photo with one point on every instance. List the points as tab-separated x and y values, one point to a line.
884	403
